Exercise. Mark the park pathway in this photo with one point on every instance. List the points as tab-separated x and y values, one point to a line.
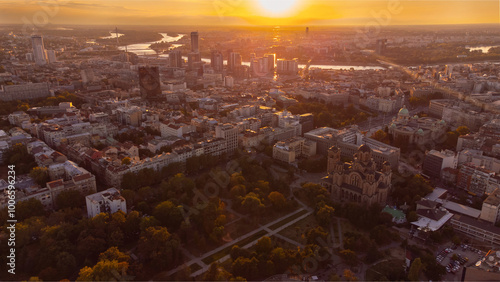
269	234
200	259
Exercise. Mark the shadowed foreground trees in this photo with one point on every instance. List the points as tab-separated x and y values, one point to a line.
158	247
112	266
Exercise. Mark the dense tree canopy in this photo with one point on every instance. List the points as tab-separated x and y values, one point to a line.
415	268
381	136
168	214
70	199
19	157
158	247
40	175
463	130
329	115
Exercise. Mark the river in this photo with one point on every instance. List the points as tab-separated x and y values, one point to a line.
143	49
113	35
484	49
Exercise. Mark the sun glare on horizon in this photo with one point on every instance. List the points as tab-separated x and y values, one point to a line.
278	8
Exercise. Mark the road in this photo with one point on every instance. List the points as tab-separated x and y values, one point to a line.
406	168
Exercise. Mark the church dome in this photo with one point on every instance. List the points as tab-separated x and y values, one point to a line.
420	132
415	117
404	112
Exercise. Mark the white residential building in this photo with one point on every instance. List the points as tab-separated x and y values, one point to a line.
173	129
229	133
107	201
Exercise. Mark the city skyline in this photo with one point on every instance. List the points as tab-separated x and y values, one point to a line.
250	12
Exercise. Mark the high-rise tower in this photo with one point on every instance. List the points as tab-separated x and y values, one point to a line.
217	61
234	60
195	47
39	53
175	59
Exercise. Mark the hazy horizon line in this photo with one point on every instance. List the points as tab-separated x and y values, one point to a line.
252	25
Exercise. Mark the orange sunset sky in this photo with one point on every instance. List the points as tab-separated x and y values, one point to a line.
247	12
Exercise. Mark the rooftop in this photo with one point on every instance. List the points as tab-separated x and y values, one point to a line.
478	274
434	214
430	224
462	209
436	197
494	198
484	225
111	194
394	212
442	154
436	193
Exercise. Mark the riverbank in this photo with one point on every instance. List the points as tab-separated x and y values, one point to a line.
144	48
132	37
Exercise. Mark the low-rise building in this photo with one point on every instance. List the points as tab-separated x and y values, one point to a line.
20	119
490	211
229	133
24	91
477	157
107	201
491	129
288	151
435	162
485	269
476	229
416	130
349	140
398	216
422	92
431	217
84	183
176	129
129	116
477	180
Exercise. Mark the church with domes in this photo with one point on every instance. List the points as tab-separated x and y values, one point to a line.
416	130
358	181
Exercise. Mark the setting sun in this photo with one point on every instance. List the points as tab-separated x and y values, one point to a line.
276	8
249	12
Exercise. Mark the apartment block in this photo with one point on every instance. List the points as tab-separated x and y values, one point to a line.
107	201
